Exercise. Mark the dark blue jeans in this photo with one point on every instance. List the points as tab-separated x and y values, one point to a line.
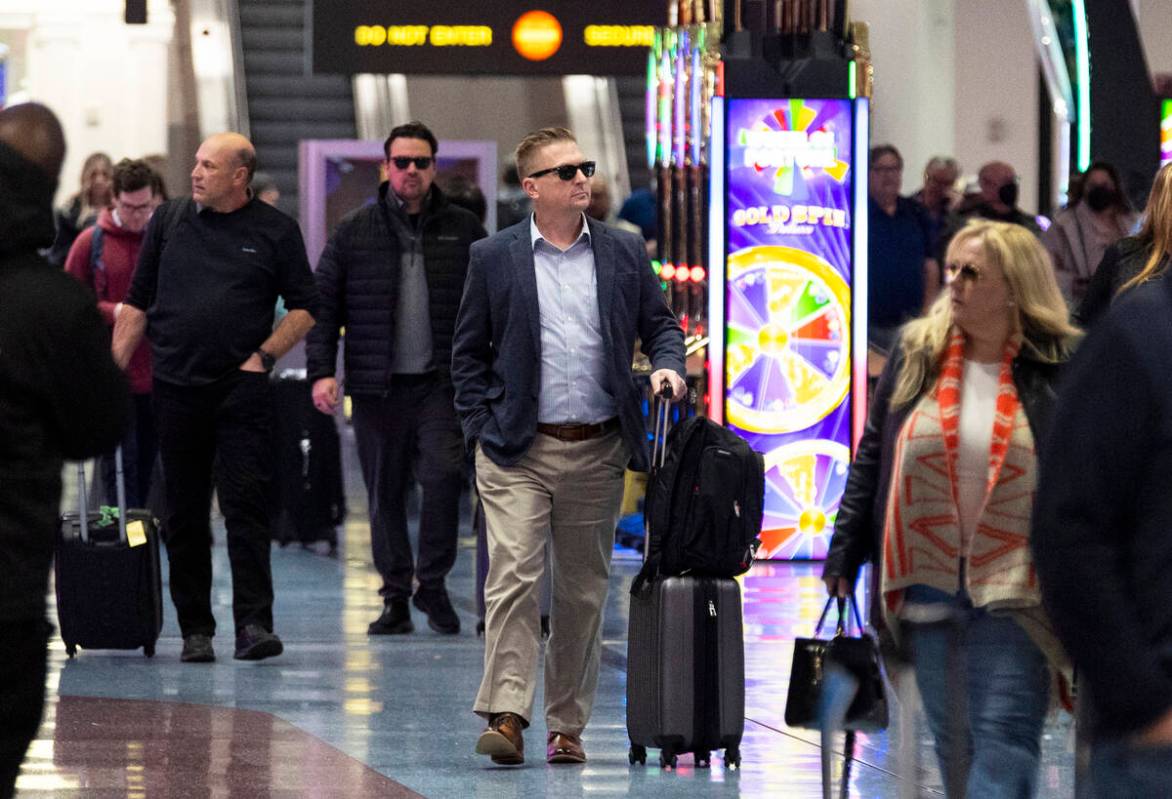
986	691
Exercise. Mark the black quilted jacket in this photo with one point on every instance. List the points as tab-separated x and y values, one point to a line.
358	281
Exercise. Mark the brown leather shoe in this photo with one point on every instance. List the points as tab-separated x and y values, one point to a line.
564	748
503	739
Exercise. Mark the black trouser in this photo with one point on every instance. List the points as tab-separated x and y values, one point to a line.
413	426
24	653
139	448
222	429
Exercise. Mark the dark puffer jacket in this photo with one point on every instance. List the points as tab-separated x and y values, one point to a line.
358	280
61	396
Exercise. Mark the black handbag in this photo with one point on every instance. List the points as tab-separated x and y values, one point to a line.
858	655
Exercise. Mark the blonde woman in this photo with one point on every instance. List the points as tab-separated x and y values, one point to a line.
96	194
1135	259
939	499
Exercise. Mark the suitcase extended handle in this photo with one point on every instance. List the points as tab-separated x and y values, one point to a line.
83	498
663	399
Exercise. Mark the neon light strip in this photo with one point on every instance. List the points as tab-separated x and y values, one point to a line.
859	274
679	138
696	118
716	278
1082	59
852	80
652	96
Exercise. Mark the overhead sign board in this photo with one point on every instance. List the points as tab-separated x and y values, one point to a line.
459	37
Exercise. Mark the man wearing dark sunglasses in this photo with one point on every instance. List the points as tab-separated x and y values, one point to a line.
392	274
541	365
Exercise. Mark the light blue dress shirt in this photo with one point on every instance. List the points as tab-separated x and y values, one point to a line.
574	385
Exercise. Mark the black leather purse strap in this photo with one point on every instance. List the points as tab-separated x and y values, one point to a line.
842	627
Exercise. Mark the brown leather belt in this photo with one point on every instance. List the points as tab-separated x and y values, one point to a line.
578	432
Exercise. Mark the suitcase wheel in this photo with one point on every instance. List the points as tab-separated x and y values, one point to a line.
732	758
149	650
637	754
667	760
71	649
703	759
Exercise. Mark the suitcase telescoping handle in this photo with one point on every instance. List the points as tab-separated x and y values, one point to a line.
83	499
663	399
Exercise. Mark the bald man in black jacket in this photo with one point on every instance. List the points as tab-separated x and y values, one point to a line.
61	396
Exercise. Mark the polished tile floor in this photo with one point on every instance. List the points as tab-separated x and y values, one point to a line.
344	715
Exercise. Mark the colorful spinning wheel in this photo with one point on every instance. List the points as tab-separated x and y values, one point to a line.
804	482
788	352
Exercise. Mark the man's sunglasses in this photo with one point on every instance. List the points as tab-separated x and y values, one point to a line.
568	171
402	162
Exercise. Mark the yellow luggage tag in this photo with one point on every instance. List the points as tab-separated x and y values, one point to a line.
136	533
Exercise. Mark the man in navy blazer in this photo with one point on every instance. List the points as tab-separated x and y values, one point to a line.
541	365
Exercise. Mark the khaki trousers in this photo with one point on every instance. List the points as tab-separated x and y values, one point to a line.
569	494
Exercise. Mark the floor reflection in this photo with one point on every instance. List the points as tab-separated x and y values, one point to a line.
343	714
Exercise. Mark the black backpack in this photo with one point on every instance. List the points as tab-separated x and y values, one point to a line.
704	505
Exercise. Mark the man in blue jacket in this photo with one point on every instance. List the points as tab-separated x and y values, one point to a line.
392	274
1102	538
541	364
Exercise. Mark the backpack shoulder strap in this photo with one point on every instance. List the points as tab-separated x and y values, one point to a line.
97	242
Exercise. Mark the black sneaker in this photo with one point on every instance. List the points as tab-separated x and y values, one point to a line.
197	648
441	616
256	643
395	620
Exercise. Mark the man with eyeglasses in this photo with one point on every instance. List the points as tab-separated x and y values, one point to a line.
392	274
103	257
542	369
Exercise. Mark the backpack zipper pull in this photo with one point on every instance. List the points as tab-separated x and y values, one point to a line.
711	609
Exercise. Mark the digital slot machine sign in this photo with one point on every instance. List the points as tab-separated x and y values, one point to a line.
787	275
1165	131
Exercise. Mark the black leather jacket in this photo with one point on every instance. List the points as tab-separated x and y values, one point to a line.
858	530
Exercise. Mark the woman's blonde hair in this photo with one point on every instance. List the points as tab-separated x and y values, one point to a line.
1156	232
1041	317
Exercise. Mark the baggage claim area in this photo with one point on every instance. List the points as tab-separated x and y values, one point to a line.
757	137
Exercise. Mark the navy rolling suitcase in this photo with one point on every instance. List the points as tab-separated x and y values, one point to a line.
685	661
107	575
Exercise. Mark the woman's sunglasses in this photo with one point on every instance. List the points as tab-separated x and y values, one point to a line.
964	272
568	171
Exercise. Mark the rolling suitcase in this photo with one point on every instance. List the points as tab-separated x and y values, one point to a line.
310	495
107	574
685	662
686	670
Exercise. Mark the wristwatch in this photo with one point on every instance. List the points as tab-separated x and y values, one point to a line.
267	361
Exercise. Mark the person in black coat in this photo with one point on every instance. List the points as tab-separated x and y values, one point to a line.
1135	259
61	396
1102	537
938	499
392	274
